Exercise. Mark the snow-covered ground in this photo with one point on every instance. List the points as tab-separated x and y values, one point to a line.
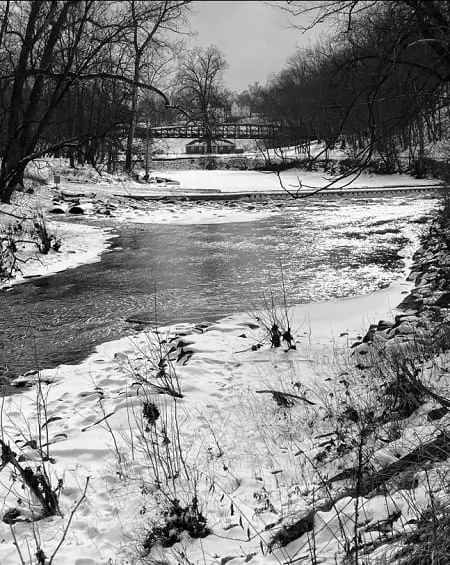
249	181
81	244
254	181
240	464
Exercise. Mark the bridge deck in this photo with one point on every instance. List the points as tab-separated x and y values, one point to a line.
218	131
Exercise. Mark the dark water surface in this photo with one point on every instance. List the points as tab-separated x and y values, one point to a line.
326	250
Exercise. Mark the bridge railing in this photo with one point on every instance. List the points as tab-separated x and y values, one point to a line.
230	131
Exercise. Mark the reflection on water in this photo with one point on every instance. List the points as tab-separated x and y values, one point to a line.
326	250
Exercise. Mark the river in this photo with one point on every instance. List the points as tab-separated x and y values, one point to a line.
322	249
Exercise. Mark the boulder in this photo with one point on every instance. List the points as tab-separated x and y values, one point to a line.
413	276
379	338
57	210
405	328
384	325
81	208
412	302
76	210
370	333
411	318
437	413
104	211
362	349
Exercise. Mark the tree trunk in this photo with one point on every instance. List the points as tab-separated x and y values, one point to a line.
11	153
133	118
24	127
11	177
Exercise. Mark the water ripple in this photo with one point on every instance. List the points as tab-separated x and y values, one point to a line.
326	249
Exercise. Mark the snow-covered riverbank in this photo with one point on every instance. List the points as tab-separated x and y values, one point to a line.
222	423
81	244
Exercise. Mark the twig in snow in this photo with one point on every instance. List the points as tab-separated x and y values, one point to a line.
72	514
279	394
97	422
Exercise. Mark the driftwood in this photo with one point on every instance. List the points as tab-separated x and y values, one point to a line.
435	450
282	398
36	480
444	402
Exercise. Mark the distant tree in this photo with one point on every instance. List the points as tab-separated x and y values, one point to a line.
201	91
49	51
147	18
379	82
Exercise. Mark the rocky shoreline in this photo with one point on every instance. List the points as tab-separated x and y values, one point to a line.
392	426
404	431
428	303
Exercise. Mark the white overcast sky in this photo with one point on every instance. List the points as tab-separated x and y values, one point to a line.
255	37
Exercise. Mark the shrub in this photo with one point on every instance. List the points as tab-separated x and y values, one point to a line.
209	163
43	238
150	412
8	260
176	520
430	542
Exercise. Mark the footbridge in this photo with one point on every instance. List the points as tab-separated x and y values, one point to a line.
218	131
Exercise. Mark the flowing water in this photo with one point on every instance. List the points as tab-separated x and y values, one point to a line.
322	249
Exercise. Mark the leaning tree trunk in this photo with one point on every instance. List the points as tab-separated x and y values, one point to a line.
11	184
12	171
24	126
133	118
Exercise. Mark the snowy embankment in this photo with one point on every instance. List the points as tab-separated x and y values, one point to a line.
93	427
80	244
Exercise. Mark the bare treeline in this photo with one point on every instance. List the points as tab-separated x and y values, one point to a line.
70	71
379	84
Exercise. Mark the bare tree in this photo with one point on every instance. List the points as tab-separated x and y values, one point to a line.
201	89
147	18
376	85
51	47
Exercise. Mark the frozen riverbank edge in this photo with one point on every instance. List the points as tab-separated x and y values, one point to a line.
162	203
82	244
219	374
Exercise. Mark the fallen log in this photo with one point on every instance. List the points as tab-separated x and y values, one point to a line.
435	450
